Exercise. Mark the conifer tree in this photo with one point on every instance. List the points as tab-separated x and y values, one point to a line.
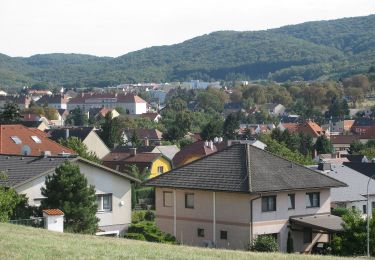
67	189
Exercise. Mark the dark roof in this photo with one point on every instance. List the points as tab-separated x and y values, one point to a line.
143	133
343	139
353	157
60	133
326	222
363	122
33	124
243	168
19	169
127	149
367	169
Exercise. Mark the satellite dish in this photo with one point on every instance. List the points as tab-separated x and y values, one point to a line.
25	150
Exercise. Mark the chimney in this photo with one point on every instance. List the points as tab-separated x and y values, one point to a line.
46	154
66	133
133	151
324	166
147	142
206	143
211	145
220	139
216	140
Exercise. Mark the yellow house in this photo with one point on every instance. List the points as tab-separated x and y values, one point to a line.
156	163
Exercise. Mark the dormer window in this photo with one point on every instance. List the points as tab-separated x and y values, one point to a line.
36	139
16	139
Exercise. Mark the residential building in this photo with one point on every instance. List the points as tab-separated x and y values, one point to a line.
22	101
232	196
87	135
3	93
146	136
131	104
155	117
27	176
56	101
292	127
274	109
155	163
21	140
311	128
361	125
342	142
354	196
100	113
168	151
195	151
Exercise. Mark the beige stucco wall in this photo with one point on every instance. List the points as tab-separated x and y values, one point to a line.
232	215
96	145
104	182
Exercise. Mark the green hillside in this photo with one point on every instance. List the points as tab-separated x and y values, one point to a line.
19	242
312	50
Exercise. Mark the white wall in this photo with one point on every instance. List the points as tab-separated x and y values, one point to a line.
54	223
104	182
96	145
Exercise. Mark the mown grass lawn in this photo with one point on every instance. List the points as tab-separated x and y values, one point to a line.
19	242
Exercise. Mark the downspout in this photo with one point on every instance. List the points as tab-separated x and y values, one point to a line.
214	218
174	214
251	215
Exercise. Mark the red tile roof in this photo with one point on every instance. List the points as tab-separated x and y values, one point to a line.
53	212
311	128
343	139
25	136
292	127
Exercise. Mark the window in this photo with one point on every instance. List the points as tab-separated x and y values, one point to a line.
312	199
167	199
16	139
269	203
36	139
200	232
291	201
189	200
364	209
223	235
160	169
104	202
307	235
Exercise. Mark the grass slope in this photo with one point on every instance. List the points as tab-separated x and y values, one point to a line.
18	242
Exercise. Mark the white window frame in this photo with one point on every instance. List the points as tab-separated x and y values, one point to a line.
100	201
160	169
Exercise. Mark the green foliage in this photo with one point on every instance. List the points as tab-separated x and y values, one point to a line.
77	117
10	114
111	132
150	215
146	193
149	231
323	145
340	211
67	189
264	243
352	241
8	203
213	129
231	124
280	149
80	148
138	216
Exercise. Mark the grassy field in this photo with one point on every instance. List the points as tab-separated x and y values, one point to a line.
19	242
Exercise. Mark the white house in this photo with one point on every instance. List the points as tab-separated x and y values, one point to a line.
113	189
131	104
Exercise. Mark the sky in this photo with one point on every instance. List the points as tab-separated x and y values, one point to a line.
116	27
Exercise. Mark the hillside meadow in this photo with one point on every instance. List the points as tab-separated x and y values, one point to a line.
19	242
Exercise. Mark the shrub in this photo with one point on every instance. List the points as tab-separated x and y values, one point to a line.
340	211
135	236
149	215
146	193
264	243
148	231
138	216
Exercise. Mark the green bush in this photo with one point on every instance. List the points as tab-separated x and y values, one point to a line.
135	236
339	211
264	243
146	193
138	216
149	215
148	231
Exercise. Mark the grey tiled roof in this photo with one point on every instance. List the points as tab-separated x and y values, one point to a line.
19	169
229	170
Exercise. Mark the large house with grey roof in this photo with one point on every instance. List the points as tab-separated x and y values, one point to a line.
232	196
26	174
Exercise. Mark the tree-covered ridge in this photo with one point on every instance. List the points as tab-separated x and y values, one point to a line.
309	51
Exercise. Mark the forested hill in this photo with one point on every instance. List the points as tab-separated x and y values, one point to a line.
312	50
